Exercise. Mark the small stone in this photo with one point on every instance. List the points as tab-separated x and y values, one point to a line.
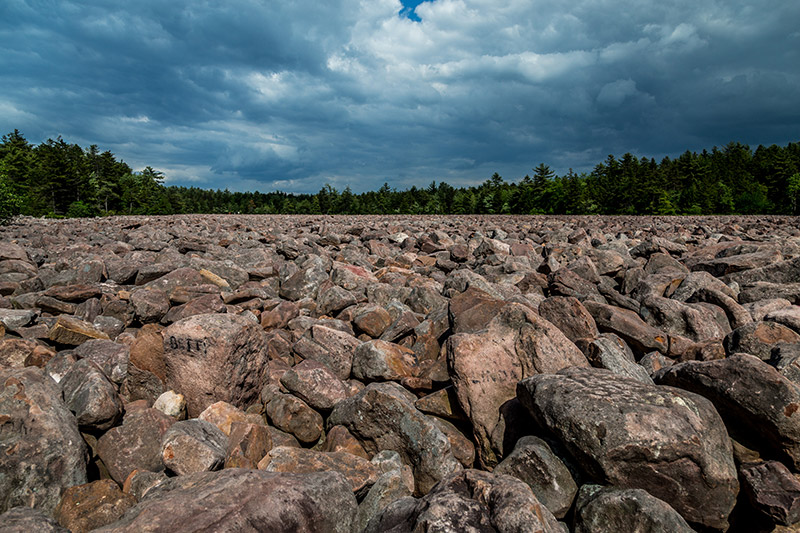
192	446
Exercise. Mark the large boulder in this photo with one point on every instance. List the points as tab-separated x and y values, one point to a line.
235	500
41	450
470	500
612	510
215	357
383	417
519	343
621	431
759	405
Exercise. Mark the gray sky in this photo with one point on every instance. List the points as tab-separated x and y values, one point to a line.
293	94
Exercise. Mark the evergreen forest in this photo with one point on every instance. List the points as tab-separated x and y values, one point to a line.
59	179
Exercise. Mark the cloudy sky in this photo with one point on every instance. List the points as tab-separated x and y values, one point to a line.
293	94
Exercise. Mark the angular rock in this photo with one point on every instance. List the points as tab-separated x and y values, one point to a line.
768	421
248	443
390	487
135	445
87	507
224	415
383	417
339	439
639	335
215	357
533	462
773	490
111	357
472	310
294	416
73	331
303	284
519	344
91	396
27	519
315	384
570	316
359	472
610	352
373	321
668	442
149	305
611	510
330	347
470	500
758	338
378	360
192	446
41	450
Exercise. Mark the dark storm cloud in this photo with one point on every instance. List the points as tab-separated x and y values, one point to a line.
254	94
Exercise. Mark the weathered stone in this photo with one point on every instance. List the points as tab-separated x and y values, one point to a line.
147	351
570	316
378	360
668	442
91	396
244	500
192	446
41	450
27	519
519	343
303	284
472	310
391	486
442	403
693	321
201	305
639	335
140	385
610	352
383	417
111	357
373	321
768	421
280	315
224	415
789	317
330	347
84	508
171	404
470	500
215	357
135	445
73	331
339	439
294	416
248	443
773	490
315	384
13	319
759	338
149	305
359	472
533	462
611	510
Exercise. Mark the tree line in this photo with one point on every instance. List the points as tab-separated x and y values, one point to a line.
56	178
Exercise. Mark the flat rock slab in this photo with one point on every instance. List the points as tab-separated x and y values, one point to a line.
668	442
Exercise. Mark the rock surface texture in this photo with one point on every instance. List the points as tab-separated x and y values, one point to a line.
400	374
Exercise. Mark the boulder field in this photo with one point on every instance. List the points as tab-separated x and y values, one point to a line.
400	374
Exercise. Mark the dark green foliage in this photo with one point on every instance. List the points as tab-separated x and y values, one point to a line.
56	178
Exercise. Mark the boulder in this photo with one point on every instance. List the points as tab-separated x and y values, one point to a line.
135	445
244	500
73	331
519	343
533	462
248	443
758	338
27	519
773	490
84	508
570	316
378	360
294	416
359	472
640	336
215	357
469	500
668	442
612	510
330	347
41	451
383	417
91	396
315	384
192	446
768	421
